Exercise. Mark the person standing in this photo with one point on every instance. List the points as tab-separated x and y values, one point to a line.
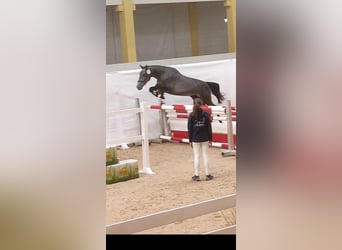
200	136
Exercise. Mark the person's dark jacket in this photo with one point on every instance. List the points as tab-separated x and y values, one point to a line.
199	128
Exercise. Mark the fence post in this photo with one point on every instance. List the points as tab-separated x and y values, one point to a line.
145	141
231	151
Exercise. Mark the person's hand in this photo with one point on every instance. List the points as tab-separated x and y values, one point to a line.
190	144
210	143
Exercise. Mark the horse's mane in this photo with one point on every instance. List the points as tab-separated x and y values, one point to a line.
164	68
167	70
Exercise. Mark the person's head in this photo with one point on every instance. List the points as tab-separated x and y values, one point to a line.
197	103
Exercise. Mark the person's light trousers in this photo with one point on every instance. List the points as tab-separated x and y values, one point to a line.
198	148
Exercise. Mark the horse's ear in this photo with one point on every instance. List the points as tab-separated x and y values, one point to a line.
141	66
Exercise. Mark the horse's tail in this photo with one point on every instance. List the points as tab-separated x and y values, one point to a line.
215	89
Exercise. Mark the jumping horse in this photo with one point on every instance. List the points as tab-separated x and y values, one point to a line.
171	81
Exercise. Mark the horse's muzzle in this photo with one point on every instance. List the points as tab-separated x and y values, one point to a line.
140	85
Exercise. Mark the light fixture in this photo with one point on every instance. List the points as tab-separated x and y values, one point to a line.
225	19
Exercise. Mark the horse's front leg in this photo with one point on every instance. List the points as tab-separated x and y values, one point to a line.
160	89
154	91
161	94
157	92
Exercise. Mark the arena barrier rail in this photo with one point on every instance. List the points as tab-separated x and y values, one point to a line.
165	217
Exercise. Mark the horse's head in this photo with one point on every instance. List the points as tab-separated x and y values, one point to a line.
144	77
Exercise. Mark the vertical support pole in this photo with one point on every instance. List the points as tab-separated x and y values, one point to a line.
230	126
145	141
230	135
127	33
231	24
164	122
162	118
193	28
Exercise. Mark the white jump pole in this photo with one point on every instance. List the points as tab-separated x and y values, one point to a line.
145	141
231	151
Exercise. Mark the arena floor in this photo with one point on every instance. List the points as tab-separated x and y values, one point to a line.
171	186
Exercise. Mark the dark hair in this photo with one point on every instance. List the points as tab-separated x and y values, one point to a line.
197	102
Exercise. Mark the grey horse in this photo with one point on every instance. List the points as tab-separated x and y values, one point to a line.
171	81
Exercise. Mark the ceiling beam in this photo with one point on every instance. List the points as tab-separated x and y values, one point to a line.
118	2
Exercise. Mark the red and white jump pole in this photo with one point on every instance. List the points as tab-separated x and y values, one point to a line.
218	113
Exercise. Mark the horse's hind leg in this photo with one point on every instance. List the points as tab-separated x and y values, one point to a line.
215	89
206	98
210	103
